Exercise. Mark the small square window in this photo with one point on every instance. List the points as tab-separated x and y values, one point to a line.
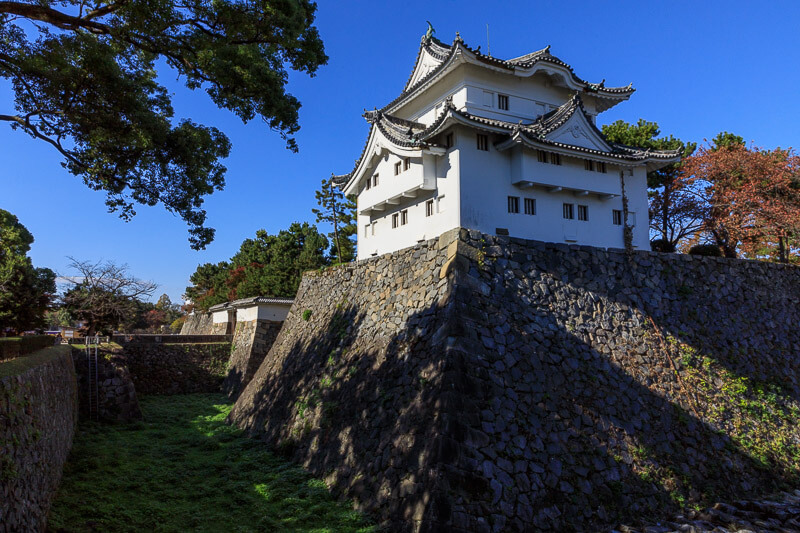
375	180
502	102
406	163
429	208
513	204
483	142
448	140
395	220
404	217
569	211
397	167
617	217
601	167
530	206
555	159
583	212
588	165
542	156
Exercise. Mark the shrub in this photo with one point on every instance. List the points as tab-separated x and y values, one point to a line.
306	314
12	347
707	250
662	245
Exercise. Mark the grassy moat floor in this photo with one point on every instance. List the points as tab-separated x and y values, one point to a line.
184	469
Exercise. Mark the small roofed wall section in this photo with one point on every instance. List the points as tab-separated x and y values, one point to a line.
257	327
479	383
38	416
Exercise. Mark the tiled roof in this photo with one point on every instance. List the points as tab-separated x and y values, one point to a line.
410	134
444	53
246	302
401	132
548	123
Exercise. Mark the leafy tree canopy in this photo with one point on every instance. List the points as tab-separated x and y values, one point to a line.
84	80
268	265
25	291
674	212
750	198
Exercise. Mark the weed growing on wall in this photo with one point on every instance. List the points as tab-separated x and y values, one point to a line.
761	418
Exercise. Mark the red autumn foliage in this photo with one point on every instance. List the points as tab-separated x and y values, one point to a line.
749	199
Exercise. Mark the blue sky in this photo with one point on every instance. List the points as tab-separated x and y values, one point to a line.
698	67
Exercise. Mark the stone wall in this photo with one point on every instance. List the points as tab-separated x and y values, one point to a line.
176	368
116	393
149	338
198	324
38	415
482	383
251	342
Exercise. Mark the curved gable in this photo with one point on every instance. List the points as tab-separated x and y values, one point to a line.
579	131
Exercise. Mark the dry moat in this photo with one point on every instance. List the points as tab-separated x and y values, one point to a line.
183	469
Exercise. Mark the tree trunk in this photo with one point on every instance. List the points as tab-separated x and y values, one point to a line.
336	228
783	255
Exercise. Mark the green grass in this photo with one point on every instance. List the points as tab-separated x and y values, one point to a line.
13	367
184	469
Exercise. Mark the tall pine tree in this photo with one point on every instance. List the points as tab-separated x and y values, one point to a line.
340	212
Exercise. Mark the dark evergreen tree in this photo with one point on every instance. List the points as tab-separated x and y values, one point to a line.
85	82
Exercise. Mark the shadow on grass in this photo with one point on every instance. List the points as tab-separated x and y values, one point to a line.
184	469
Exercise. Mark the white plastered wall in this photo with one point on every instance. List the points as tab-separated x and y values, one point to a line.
263	311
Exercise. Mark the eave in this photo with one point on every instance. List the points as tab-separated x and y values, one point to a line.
524	66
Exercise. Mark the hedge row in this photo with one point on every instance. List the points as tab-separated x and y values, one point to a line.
11	347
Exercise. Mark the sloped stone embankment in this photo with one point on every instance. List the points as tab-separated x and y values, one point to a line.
482	383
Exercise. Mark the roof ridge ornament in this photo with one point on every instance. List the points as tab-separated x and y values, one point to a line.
458	38
429	33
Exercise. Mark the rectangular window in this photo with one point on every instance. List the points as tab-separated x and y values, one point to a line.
429	208
448	140
375	180
555	159
583	212
483	142
397	167
395	220
372	227
588	165
569	211
406	163
542	156
617	217
488	98
369	184
366	230
632	219
601	167
440	204
404	217
530	206
513	204
502	102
